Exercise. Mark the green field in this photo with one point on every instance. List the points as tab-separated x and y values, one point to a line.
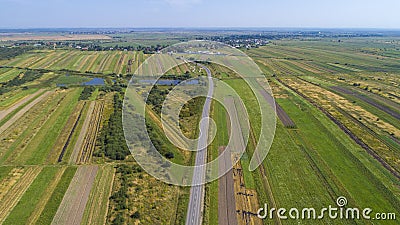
337	176
32	196
219	116
52	205
46	137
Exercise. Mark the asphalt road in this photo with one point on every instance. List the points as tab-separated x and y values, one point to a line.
196	201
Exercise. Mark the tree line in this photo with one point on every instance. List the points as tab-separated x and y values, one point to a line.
112	140
22	78
9	53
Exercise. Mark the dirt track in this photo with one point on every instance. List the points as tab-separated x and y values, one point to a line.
20	113
4	113
82	134
226	195
236	137
227	209
284	117
91	133
72	207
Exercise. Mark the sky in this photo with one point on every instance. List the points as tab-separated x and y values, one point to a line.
200	13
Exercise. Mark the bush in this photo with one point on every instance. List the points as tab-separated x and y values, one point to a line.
119	219
135	215
169	155
87	92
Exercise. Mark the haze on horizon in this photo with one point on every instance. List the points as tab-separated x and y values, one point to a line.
199	13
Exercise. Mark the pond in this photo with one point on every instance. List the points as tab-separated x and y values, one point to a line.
95	82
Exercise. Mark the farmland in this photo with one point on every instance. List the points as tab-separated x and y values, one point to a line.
72	207
97	206
64	159
79	61
49	124
311	152
315	96
36	191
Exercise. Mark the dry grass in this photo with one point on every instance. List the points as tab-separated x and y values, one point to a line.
91	132
11	198
330	100
16	105
23	130
354	118
246	199
154	200
81	138
10	180
97	205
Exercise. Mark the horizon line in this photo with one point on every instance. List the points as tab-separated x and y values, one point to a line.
204	27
